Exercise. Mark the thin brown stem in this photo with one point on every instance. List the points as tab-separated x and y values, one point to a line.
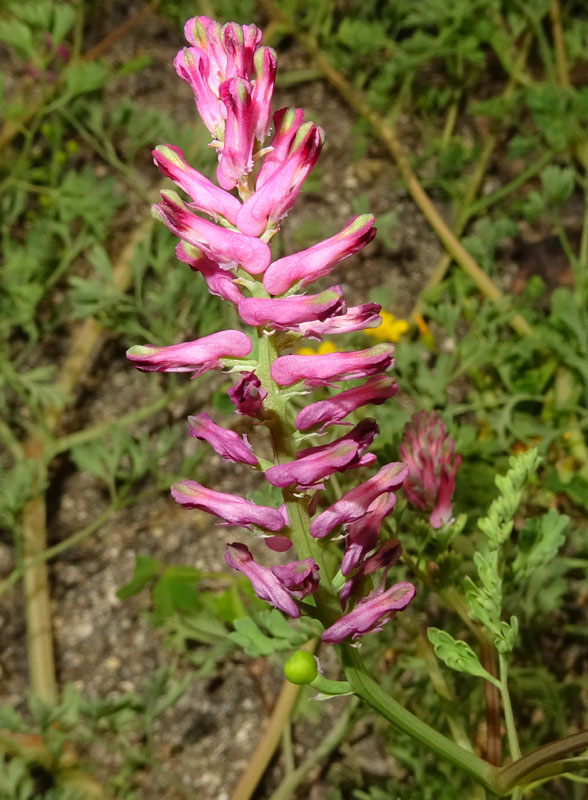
492	697
561	61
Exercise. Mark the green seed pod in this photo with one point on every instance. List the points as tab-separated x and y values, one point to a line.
300	668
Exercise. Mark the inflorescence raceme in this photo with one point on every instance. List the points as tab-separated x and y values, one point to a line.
232	76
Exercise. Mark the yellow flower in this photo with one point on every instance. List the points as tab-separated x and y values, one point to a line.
389	330
324	347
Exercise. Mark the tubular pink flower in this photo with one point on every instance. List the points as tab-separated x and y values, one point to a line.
371	613
384	557
233	509
356	318
218	244
226	443
432	465
236	155
220	282
288	312
315	463
332	411
197	356
363	535
354	503
320	259
205	195
261	96
270	203
287	121
207	36
247	395
299	577
240	43
194	66
321	370
276	585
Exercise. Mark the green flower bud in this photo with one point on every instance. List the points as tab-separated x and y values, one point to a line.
300	668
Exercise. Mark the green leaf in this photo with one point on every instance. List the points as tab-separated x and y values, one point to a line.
146	568
457	655
270	633
17	35
539	542
558	184
85	77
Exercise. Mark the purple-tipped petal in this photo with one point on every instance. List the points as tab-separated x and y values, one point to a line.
205	195
363	535
221	245
266	585
333	410
322	370
298	577
226	443
315	463
371	613
197	356
231	508
314	262
354	503
220	282
357	318
288	312
247	395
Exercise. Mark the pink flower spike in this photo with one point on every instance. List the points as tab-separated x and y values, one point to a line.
299	577
427	450
357	318
197	356
321	370
320	259
371	613
247	395
220	282
205	195
354	503
287	121
219	244
226	443
231	508
266	585
235	156
363	535
261	97
332	411
315	463
288	312
270	203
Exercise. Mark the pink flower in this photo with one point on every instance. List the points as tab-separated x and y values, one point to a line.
375	390
432	465
236	157
218	244
277	585
354	503
261	97
321	370
231	508
287	121
193	66
270	203
288	312
363	535
320	259
247	395
226	443
386	555
220	282
205	195
356	318
371	613
315	463
197	356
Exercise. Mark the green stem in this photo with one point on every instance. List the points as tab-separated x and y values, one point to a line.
367	688
509	720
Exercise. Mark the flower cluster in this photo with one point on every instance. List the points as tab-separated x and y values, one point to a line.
226	238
